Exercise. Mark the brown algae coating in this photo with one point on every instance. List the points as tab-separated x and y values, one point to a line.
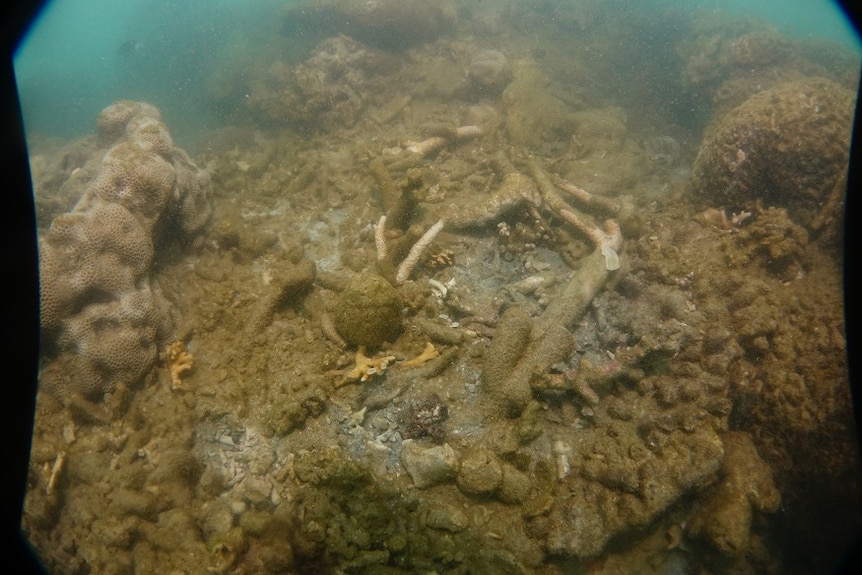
509	343
368	311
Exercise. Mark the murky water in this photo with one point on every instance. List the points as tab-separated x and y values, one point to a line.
442	287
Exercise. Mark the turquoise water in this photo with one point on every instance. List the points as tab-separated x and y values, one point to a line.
800	18
82	55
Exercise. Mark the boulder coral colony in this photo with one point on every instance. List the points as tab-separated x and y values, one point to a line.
567	351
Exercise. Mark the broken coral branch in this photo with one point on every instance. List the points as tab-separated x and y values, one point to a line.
435	143
415	253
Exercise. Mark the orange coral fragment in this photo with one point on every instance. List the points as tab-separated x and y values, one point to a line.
428	354
366	367
180	362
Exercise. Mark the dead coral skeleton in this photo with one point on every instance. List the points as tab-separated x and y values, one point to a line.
53	473
718	219
413	256
607	239
435	143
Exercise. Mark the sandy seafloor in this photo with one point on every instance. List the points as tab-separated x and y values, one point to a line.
701	424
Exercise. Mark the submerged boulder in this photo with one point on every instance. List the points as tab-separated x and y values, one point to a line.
786	146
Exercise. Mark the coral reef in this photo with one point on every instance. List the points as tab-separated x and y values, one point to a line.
328	90
574	411
103	318
786	146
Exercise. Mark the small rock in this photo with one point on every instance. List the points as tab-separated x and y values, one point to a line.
480	473
447	518
515	486
428	466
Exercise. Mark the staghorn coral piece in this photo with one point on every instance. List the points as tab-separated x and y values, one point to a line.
415	253
366	367
54	473
435	143
607	240
380	240
515	190
413	256
179	361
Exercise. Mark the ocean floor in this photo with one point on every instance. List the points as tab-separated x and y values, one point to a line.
513	399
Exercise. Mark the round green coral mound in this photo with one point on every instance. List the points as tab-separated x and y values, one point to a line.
369	311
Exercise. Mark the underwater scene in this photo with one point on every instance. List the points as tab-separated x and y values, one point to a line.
441	287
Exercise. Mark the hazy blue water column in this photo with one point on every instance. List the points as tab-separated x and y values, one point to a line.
71	65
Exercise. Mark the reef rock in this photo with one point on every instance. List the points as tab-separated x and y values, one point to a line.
102	318
330	89
787	146
724	520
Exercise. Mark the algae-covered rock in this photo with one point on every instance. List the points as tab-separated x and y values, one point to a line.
369	311
507	347
480	473
787	146
724	520
429	466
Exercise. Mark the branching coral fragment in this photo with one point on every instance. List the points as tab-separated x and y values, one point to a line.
366	367
429	353
413	256
415	253
435	143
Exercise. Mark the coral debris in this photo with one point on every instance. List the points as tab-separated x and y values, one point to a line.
366	367
429	353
